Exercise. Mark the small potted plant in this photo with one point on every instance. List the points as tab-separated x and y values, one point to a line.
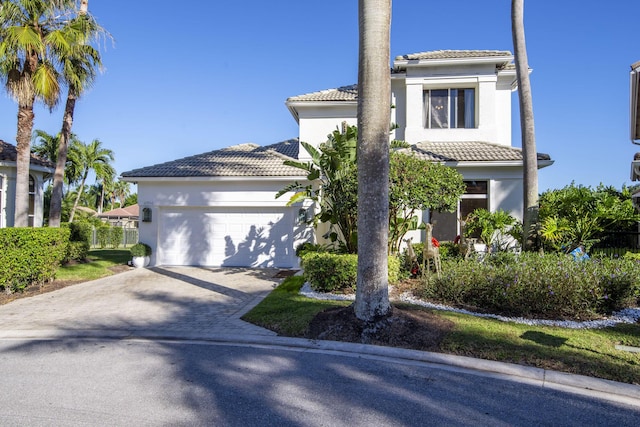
140	253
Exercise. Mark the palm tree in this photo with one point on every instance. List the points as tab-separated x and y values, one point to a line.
107	195
374	96
28	31
46	145
529	154
79	63
121	190
90	157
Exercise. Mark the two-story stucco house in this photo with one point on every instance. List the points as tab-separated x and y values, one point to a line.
218	208
39	171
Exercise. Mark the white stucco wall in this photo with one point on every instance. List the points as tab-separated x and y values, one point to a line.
317	121
505	186
493	106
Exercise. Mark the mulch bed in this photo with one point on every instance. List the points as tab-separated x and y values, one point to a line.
406	327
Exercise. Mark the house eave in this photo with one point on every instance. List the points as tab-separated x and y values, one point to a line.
135	179
407	63
494	164
32	167
294	105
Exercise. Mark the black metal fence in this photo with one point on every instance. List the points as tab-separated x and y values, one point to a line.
617	243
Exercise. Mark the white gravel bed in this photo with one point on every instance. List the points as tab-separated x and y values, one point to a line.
628	315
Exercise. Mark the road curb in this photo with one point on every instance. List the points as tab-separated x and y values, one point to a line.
596	387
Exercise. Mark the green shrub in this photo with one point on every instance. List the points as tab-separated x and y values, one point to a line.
30	255
449	250
115	237
395	268
79	231
308	247
102	233
140	249
329	272
549	286
77	251
632	256
79	240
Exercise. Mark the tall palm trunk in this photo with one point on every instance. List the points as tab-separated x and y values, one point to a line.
55	210
80	190
529	153
374	97
101	201
23	160
23	144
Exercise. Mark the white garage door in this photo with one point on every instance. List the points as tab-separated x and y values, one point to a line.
230	237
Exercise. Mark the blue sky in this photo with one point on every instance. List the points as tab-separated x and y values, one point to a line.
184	79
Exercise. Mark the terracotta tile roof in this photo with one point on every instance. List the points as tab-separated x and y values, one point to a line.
9	152
344	93
469	151
453	54
125	212
242	160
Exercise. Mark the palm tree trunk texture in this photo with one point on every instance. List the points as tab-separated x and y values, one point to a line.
23	139
23	146
374	97
80	190
529	153
55	209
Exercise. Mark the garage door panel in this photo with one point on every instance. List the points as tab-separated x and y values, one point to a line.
227	237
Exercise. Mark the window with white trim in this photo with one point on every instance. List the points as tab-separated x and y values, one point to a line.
32	201
447	226
452	108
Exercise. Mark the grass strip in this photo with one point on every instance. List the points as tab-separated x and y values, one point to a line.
100	260
287	312
590	352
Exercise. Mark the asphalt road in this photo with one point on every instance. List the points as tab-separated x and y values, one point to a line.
133	382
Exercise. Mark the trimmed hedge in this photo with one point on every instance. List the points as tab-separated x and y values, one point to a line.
529	285
109	236
79	240
30	255
328	272
103	233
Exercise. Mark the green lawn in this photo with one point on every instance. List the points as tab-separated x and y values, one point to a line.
582	351
101	260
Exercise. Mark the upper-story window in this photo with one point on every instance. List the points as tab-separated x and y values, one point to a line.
450	108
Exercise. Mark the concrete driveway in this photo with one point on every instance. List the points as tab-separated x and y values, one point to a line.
172	302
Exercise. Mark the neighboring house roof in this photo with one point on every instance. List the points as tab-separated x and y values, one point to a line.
244	160
9	152
469	151
132	211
